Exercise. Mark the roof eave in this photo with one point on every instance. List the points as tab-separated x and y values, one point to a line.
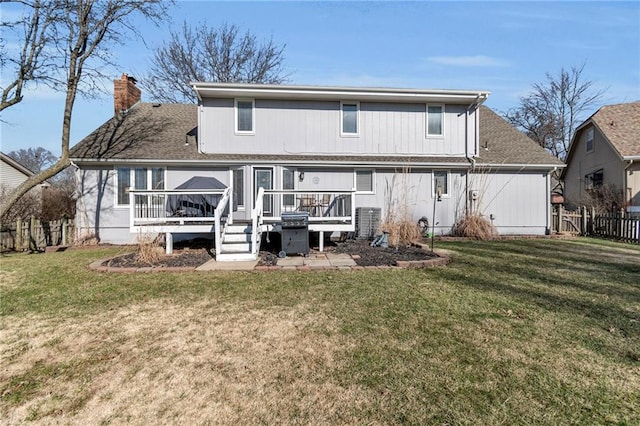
227	90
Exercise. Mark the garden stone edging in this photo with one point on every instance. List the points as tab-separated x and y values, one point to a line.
442	260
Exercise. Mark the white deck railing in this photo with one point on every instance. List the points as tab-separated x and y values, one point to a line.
322	206
152	207
222	214
256	222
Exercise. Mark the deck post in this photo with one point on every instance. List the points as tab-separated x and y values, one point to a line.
321	240
168	243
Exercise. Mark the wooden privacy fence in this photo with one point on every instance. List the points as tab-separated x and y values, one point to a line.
571	222
35	235
584	221
616	226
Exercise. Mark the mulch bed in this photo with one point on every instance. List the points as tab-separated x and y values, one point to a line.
200	252
378	256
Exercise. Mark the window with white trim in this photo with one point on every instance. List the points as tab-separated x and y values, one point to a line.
589	139
440	183
142	178
435	120
288	182
364	181
350	112
238	188
245	115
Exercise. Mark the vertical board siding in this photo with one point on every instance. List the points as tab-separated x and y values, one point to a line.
517	199
313	127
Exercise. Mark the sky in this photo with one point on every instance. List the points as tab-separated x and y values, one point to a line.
501	47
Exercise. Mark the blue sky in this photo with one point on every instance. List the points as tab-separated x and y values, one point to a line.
502	47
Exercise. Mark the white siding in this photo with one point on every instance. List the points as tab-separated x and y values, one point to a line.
517	200
10	177
313	127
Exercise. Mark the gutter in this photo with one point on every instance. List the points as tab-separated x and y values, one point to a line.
207	162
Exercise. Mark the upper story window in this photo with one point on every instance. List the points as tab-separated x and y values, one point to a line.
589	139
142	178
364	181
350	114
435	120
440	183
245	114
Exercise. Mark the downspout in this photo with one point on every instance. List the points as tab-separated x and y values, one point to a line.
626	171
548	226
480	98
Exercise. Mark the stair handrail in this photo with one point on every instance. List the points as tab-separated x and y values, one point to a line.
220	212
256	220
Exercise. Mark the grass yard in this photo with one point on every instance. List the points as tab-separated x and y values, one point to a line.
512	332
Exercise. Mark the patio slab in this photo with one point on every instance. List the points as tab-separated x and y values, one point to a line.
212	265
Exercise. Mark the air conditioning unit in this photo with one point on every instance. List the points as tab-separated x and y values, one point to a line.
367	222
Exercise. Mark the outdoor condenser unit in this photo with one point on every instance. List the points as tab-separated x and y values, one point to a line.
367	222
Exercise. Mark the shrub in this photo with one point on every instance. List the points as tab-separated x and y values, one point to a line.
149	249
475	226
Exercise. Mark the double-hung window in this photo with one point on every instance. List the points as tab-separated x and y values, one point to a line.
589	139
142	178
245	116
435	120
350	112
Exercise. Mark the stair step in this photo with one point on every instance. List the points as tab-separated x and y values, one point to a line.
236	238
235	248
238	229
235	257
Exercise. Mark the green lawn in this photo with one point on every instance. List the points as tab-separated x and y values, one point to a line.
512	332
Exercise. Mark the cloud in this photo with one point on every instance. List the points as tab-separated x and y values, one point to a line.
468	61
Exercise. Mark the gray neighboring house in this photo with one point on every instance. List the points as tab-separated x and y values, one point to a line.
335	153
12	173
605	150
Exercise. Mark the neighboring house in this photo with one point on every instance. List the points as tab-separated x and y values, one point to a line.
12	173
605	150
334	152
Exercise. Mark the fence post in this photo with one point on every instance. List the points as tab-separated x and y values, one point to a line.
18	246
560	210
32	234
583	220
65	231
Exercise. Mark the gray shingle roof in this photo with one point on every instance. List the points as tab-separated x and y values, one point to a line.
501	143
167	132
621	125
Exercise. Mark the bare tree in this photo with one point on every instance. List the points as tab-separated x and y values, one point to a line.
31	61
77	40
34	159
209	54
552	111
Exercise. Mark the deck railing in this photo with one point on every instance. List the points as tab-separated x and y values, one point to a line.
221	216
151	207
256	221
322	206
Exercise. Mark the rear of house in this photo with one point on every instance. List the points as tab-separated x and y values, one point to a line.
343	155
603	164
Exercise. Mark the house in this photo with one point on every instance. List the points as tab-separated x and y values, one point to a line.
345	156
605	156
12	173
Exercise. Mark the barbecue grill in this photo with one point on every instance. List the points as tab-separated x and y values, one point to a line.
295	233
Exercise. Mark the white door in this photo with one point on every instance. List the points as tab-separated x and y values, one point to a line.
263	178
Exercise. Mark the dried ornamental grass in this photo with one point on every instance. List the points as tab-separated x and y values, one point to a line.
148	250
475	226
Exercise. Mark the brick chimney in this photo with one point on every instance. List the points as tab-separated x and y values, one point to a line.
125	93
